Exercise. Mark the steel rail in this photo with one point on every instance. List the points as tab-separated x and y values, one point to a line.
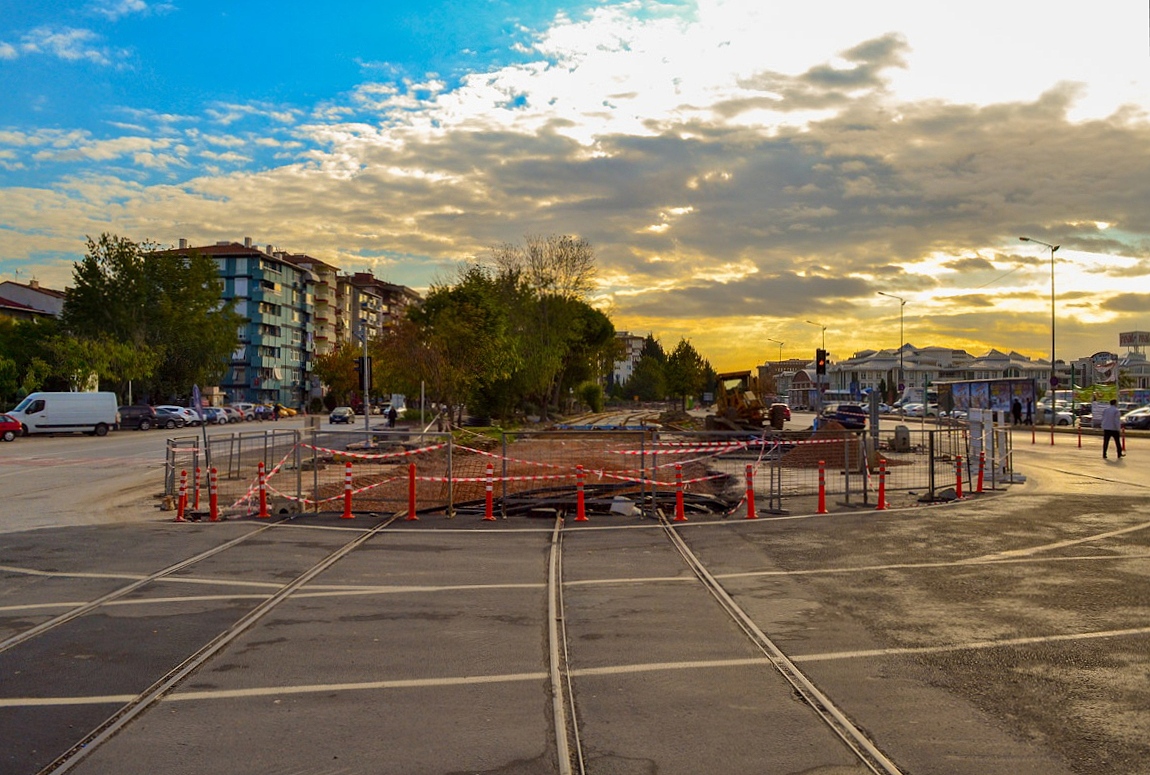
116	594
135	707
836	719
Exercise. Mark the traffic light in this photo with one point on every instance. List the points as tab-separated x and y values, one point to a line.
820	361
362	366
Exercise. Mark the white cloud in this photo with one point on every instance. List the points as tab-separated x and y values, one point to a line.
67	43
116	9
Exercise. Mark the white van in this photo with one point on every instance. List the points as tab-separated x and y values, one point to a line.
92	413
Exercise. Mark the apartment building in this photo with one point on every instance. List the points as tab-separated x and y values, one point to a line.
272	361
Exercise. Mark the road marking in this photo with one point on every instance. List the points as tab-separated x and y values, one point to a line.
613	670
1059	544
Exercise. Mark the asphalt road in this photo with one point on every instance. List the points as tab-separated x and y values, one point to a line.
1005	634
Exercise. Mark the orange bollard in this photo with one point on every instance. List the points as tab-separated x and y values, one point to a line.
752	513
680	512
196	491
1080	435
1123	439
881	486
981	468
1033	435
213	496
489	506
347	492
822	487
411	492
958	477
263	492
580	502
182	500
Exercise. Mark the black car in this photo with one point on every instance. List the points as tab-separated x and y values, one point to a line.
140	417
850	416
341	414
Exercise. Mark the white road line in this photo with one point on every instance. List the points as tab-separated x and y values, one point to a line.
418	683
1060	544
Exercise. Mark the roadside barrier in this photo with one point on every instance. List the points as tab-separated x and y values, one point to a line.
347	492
981	469
680	511
881	486
411	492
213	495
822	487
958	477
182	501
752	513
489	495
263	514
580	502
196	491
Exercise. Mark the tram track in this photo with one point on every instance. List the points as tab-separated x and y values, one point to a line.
566	713
134	708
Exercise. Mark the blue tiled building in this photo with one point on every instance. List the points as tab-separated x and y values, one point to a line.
272	362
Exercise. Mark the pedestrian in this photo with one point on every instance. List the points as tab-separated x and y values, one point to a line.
1029	412
391	415
1016	410
1111	428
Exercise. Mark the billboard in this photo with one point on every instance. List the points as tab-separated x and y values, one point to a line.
1134	339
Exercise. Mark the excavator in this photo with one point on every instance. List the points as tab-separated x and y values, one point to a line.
737	403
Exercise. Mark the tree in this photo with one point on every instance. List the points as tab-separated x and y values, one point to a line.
336	370
648	382
163	301
685	371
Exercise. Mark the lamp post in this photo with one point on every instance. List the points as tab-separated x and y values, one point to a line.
779	366
901	344
1053	379
818	380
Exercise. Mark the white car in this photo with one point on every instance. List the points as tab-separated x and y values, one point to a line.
1061	416
189	415
246	409
213	415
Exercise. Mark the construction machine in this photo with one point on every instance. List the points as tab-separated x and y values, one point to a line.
737	403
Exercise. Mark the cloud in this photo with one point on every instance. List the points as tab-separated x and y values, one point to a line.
117	9
67	43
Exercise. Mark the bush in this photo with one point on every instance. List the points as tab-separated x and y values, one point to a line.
591	393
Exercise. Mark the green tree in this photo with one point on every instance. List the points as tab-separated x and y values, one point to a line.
160	300
685	371
336	370
647	383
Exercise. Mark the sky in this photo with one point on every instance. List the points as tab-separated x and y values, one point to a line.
747	171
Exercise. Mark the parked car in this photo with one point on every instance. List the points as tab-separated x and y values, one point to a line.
214	415
233	414
246	409
1062	416
189	415
341	414
166	418
1137	419
850	416
9	428
140	416
49	412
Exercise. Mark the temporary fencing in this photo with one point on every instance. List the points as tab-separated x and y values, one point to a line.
543	473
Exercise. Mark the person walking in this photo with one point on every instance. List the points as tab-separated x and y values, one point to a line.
1111	428
1016	410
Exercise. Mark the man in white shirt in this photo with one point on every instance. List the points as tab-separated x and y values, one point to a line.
1111	428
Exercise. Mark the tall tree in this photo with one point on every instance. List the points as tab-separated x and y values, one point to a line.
686	371
160	300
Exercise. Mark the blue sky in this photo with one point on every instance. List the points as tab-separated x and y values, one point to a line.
741	166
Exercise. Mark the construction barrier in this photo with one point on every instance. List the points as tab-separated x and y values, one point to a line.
981	469
752	513
680	511
489	495
881	486
263	512
213	495
958	477
347	492
517	472
182	501
822	487
196	491
580	499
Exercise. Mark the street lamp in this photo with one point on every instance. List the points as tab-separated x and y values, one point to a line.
901	344
1053	380
780	344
